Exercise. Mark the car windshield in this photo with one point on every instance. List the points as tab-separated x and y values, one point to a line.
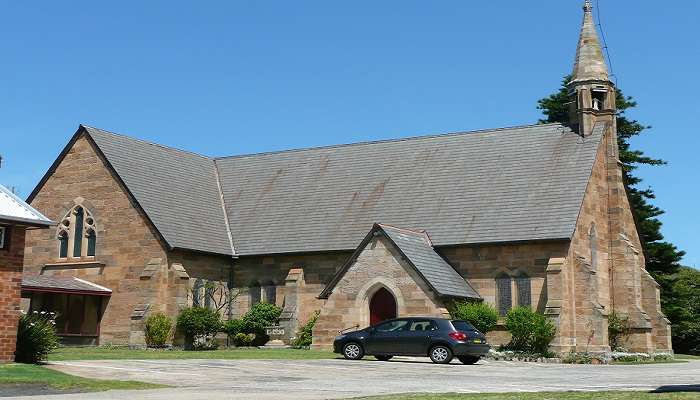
463	326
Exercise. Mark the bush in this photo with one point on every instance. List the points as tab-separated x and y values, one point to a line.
36	337
198	323
158	329
530	330
482	315
260	316
233	327
242	339
618	328
305	334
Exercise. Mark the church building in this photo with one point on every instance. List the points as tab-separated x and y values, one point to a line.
525	216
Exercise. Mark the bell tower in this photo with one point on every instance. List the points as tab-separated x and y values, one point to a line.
591	92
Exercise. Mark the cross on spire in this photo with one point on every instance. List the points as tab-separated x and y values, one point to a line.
588	6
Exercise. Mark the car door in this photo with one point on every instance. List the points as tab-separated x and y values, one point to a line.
415	339
383	338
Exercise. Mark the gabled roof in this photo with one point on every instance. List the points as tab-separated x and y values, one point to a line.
15	210
502	185
417	250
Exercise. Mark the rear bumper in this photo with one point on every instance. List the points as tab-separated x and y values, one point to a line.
469	349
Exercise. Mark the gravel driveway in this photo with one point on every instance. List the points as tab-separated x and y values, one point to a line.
337	378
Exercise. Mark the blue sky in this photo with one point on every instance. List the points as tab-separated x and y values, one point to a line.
235	77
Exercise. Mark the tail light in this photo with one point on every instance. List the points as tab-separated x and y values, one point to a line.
461	336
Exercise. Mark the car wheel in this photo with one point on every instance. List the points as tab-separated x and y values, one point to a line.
353	351
440	354
383	358
468	360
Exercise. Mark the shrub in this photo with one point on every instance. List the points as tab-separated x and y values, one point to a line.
577	358
233	327
158	329
243	339
305	334
260	316
36	337
530	330
198	323
482	315
618	328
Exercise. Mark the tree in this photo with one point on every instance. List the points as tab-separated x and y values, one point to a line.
661	257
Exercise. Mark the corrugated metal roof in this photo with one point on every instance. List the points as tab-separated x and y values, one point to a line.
14	209
419	251
67	284
178	190
503	185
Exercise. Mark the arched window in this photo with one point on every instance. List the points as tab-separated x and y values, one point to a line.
593	243
255	293
77	234
63	244
197	293
504	294
270	292
522	283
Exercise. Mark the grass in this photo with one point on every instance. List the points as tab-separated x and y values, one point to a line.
543	396
123	353
644	362
12	374
686	357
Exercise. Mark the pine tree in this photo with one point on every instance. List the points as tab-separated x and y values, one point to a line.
662	258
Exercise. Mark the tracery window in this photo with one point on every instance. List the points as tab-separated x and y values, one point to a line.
504	294
524	290
77	235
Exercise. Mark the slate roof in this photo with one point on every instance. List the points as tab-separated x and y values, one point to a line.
15	210
419	251
503	185
62	284
178	190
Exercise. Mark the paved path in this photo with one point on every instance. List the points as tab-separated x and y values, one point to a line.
331	379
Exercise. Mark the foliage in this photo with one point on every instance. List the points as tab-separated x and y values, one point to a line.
233	327
480	314
36	337
683	309
662	258
260	316
213	294
530	330
574	357
158	329
618	329
125	353
196	322
241	339
305	334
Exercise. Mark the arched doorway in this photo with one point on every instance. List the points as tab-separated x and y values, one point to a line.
382	306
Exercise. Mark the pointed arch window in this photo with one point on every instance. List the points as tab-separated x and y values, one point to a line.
255	293
270	292
524	289
504	294
77	237
593	243
197	292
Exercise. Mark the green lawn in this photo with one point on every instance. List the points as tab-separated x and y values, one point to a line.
123	353
544	396
686	357
37	375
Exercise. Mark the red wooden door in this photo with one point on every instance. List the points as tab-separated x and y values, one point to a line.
382	306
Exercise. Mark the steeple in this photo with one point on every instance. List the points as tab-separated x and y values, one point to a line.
590	63
591	91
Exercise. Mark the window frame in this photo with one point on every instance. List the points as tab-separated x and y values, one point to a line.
5	237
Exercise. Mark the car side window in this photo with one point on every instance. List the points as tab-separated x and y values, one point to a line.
422	326
392	326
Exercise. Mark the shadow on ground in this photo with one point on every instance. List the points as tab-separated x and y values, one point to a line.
677	389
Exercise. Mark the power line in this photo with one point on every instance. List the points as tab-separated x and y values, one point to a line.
605	42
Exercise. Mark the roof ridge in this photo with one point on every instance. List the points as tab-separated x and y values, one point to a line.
147	142
380	141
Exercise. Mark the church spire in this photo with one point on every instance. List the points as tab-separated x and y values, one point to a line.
591	91
590	63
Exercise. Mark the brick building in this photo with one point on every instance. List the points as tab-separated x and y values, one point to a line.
533	215
16	217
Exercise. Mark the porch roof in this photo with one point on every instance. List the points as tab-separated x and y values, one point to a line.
54	284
